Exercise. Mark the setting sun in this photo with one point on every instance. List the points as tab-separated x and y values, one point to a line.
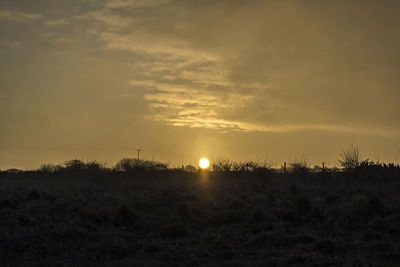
204	163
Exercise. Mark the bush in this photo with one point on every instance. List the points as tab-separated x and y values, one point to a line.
190	168
247	166
222	165
350	158
50	168
74	164
93	165
129	164
300	166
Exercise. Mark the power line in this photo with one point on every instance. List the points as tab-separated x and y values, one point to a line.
16	147
66	148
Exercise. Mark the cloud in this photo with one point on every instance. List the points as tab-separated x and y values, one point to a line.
14	16
259	63
111	20
3	99
63	41
142	43
279	76
56	22
11	44
117	14
117	4
253	65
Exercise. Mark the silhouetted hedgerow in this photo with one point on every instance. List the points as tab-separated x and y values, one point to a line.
129	164
50	168
225	165
350	158
73	165
365	169
300	166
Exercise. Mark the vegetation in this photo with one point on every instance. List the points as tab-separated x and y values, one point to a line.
300	166
225	165
350	158
129	164
141	213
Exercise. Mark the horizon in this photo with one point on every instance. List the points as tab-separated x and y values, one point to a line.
330	164
243	80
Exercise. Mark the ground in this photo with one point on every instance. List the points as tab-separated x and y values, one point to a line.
174	218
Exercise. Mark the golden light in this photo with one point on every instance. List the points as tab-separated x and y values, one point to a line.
204	163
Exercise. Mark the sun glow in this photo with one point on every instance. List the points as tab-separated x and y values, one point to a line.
204	163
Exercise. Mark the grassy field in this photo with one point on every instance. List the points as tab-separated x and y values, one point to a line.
175	218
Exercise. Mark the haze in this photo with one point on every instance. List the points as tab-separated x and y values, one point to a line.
182	79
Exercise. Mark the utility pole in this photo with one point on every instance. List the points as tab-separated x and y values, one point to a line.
138	153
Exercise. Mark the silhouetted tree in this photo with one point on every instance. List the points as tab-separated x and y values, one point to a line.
93	165
222	165
301	165
190	168
129	164
350	158
50	168
74	164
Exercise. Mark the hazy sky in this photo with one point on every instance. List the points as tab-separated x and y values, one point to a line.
247	80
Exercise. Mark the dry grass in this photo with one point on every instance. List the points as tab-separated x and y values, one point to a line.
173	218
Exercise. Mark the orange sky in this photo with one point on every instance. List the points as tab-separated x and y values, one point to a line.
181	79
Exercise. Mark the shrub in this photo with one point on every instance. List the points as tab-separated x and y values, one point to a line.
74	164
50	168
225	165
222	165
350	158
299	166
129	164
190	168
264	168
247	166
93	165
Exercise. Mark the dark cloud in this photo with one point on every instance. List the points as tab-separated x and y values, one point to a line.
298	63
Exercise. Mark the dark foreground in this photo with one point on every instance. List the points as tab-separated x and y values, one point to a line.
191	219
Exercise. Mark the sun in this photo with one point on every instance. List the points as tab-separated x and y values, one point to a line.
204	163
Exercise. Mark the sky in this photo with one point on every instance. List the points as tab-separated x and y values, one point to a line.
180	79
